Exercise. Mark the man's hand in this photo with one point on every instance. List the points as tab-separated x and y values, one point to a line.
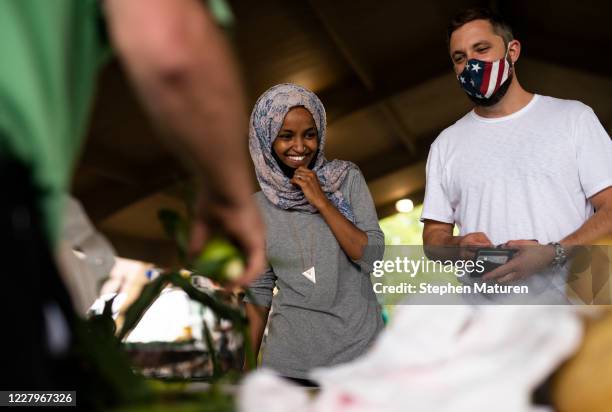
532	257
184	74
440	244
308	181
241	223
469	243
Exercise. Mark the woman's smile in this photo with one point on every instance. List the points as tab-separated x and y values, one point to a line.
297	161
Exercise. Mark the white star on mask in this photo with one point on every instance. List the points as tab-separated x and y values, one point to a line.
475	67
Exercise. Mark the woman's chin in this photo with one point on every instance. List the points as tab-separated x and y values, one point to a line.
294	164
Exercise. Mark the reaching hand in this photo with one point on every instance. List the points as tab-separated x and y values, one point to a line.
472	241
241	223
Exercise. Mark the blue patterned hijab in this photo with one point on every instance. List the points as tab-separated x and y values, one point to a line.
266	121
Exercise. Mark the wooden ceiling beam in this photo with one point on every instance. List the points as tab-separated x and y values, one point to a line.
110	196
398	157
393	118
102	162
350	96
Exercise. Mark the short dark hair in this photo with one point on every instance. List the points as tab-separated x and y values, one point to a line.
500	26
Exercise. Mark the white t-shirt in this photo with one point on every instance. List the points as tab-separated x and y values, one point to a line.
528	175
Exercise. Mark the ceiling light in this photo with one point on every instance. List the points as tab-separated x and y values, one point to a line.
404	205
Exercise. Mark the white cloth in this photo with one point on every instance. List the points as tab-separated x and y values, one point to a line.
524	176
164	321
437	358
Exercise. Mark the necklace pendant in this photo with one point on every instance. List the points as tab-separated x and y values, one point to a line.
310	274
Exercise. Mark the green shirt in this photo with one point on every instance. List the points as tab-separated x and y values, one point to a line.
50	52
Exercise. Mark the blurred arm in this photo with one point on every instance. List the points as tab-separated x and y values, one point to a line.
183	72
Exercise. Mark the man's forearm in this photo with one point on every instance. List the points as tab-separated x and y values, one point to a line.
440	245
440	238
597	227
186	79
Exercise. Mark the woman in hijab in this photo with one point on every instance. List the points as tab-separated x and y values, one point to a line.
322	239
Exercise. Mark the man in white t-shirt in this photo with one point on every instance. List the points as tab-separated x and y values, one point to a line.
519	170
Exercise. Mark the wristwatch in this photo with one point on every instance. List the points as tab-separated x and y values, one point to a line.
560	255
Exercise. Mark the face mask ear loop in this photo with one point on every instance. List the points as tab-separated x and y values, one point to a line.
506	56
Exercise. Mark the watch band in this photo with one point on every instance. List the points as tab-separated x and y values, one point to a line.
560	255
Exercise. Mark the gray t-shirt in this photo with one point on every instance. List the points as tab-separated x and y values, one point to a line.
335	318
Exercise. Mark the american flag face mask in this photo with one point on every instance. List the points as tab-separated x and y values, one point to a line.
481	80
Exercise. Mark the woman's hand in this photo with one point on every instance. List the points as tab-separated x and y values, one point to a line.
352	240
308	181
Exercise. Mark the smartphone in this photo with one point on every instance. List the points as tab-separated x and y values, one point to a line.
492	258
